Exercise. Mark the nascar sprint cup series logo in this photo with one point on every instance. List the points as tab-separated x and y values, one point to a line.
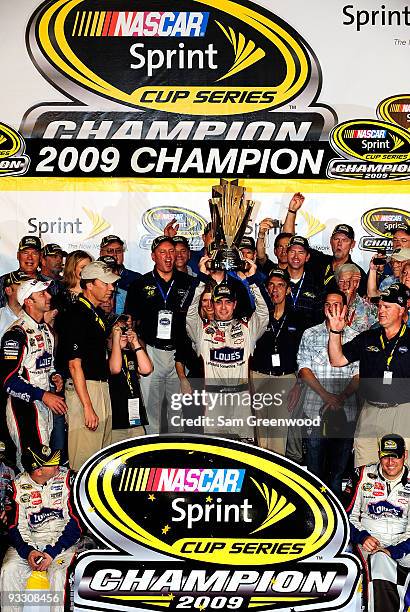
380	223
161	70
195	523
396	109
13	161
372	150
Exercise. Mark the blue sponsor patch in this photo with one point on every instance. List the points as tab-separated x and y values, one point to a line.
45	515
44	361
226	355
385	507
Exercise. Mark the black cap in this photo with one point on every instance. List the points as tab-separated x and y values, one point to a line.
280	273
159	240
15	278
343	228
248	242
182	240
299	241
35	457
402	227
52	249
397	293
392	445
111	238
223	291
30	242
109	260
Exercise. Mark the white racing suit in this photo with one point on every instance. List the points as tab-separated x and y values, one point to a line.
381	508
225	347
40	518
26	363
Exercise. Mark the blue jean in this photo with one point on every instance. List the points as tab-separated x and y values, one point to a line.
327	458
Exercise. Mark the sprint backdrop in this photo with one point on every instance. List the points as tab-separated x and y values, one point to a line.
115	118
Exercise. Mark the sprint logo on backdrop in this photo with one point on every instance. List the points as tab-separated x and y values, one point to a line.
179	64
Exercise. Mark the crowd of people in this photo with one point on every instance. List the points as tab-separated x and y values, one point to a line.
307	356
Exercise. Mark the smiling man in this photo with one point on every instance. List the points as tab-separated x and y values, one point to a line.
384	370
379	516
82	353
26	368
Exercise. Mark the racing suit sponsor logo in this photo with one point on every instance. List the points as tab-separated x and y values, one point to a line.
44	361
226	355
385	507
45	515
367	486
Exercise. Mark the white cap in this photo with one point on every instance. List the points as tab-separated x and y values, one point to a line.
99	270
31	286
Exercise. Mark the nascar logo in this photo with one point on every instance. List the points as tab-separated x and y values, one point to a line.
192	480
141	23
365	133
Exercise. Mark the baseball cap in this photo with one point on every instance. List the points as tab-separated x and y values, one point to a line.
30	242
99	270
402	227
111	238
343	228
15	278
223	291
28	287
52	249
299	241
159	240
279	273
392	445
181	239
400	254
109	260
248	242
35	457
397	293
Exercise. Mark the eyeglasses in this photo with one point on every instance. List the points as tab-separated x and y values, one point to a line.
114	251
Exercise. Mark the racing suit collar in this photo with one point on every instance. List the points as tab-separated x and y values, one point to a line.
26	316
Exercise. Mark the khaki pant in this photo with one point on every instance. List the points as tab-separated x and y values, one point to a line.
82	442
118	435
373	424
268	437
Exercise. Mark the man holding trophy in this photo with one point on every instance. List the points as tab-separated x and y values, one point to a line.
226	343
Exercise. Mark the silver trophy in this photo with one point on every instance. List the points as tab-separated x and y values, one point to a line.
230	213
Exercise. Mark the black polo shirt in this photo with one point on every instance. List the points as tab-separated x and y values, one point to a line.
145	301
283	337
83	335
125	386
320	265
367	348
306	300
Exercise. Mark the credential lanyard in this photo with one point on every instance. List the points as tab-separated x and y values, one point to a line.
126	372
164	295
295	299
276	336
97	316
390	357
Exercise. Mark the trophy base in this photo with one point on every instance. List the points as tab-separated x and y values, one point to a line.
228	259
